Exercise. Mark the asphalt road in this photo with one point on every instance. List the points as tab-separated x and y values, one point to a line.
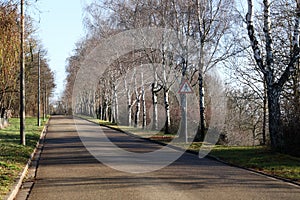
68	171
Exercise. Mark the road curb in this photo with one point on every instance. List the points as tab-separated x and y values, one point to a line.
18	182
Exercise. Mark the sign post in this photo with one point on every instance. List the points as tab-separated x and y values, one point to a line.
185	88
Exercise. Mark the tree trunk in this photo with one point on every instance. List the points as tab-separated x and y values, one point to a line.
144	111
166	95
137	112
129	111
86	106
114	106
167	111
106	118
154	114
265	104
81	106
273	88
253	135
2	113
202	109
276	134
143	102
100	112
201	8
138	103
92	104
129	105
296	91
154	91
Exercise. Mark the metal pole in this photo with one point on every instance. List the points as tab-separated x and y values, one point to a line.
185	119
44	104
39	90
22	80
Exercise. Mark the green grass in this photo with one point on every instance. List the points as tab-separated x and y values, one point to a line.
13	156
261	159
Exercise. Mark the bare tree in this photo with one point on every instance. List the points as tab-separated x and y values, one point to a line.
274	82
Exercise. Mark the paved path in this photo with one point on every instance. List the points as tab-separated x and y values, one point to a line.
68	171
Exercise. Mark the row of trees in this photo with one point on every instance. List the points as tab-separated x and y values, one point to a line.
257	55
10	50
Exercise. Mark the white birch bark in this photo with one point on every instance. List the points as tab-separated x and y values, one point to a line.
274	87
201	7
144	122
166	97
154	99
138	102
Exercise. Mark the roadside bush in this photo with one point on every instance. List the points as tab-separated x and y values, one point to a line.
292	138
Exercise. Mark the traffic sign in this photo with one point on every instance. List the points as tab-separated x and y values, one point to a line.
185	88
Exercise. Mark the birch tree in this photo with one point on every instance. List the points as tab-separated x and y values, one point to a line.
264	57
212	27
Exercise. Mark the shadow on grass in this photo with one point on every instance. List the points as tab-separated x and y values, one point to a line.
31	139
262	159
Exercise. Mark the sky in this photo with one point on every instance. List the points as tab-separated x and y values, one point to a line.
60	27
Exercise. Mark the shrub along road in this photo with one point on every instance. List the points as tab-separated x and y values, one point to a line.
68	171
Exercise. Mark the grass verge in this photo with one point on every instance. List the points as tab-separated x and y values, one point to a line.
261	158
13	156
258	158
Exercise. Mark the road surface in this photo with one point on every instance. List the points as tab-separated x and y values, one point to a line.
68	171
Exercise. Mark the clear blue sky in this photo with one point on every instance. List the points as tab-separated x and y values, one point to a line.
60	27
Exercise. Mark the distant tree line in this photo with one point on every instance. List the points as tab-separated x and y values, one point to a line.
256	51
10	64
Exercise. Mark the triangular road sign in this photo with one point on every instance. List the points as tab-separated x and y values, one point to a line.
185	88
